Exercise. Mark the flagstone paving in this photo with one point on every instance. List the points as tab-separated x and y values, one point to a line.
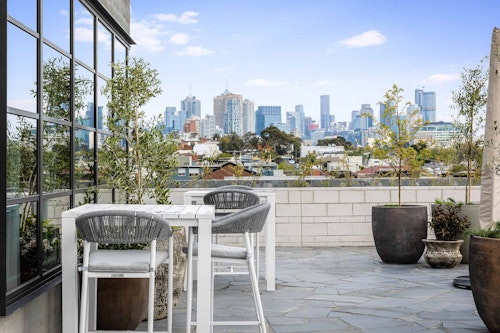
346	290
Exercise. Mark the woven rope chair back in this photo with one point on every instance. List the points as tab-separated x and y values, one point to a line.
250	219
231	199
122	227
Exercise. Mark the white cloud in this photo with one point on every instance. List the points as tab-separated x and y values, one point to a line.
322	83
64	13
85	21
265	83
180	38
188	17
440	78
147	36
194	51
368	38
84	34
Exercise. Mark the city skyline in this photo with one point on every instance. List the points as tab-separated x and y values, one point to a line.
290	53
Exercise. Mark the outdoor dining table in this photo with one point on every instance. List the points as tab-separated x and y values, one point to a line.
195	197
199	216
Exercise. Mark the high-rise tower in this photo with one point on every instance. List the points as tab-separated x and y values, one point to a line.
228	112
324	101
426	100
191	106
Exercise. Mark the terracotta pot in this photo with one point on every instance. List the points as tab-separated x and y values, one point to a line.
442	254
484	271
398	232
122	304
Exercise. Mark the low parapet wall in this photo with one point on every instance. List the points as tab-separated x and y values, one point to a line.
340	216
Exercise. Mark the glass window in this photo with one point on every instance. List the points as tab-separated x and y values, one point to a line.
51	231
84	198
25	263
84	158
104	50
84	96
56	22
22	173
84	35
56	84
102	139
56	157
21	70
102	106
120	52
23	11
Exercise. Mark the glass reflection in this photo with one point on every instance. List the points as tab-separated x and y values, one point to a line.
104	50
83	35
101	141
56	84
84	96
120	52
56	22
25	215
23	11
56	157
51	231
22	173
84	158
21	70
102	106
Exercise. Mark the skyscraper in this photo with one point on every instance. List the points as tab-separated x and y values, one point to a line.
426	100
248	116
228	112
301	121
266	116
366	113
192	106
324	101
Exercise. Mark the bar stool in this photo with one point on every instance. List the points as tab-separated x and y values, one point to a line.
245	221
123	227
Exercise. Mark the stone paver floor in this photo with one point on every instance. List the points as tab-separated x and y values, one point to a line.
347	290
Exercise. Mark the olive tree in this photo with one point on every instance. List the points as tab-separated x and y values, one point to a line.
470	102
137	159
396	132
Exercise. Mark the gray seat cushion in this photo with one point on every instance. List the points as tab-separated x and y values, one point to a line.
222	251
123	261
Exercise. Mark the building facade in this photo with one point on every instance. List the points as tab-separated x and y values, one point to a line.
324	104
426	100
51	132
228	112
191	106
266	116
248	116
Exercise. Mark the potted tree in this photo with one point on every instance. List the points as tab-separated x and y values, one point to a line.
136	161
484	272
470	102
448	223
398	229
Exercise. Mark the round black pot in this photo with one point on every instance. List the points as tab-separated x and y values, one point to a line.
398	232
484	271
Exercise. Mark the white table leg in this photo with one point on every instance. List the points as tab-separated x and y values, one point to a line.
69	276
204	287
270	244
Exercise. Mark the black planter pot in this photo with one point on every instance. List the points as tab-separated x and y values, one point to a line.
398	232
484	271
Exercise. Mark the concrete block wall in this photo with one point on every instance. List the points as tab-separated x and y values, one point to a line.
42	315
340	216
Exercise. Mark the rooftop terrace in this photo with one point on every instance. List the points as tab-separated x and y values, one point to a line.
347	290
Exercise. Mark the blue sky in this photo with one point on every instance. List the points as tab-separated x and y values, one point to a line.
289	52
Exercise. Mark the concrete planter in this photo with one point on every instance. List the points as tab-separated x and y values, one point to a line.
484	271
472	212
442	254
398	232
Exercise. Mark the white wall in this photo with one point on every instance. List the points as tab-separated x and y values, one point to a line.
340	216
